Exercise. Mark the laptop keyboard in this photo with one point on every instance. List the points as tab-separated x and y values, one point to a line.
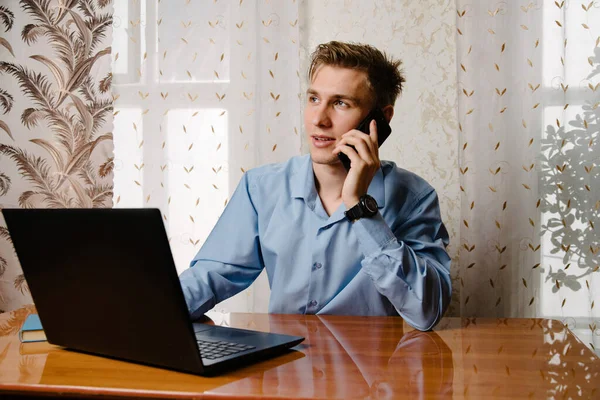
212	350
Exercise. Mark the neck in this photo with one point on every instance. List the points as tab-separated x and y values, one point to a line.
329	180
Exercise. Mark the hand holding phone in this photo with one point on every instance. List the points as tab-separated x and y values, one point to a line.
383	131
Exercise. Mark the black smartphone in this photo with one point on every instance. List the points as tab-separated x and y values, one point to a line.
383	131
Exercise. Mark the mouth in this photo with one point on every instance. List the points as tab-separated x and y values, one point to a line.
322	141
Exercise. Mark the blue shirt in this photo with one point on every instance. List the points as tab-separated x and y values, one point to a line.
390	264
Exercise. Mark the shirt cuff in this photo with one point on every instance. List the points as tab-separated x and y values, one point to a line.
373	234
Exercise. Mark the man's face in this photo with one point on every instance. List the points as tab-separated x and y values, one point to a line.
337	101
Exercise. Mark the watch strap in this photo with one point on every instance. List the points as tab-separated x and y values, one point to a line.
361	209
355	212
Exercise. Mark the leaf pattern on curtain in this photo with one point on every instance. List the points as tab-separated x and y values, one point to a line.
51	92
528	109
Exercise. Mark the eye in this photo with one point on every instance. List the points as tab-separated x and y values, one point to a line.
341	103
312	99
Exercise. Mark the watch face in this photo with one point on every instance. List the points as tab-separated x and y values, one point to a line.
370	204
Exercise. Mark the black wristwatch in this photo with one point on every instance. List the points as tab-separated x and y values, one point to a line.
366	208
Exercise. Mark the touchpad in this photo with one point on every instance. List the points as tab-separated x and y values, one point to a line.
225	334
202	327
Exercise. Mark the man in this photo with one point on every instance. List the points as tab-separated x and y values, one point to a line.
327	247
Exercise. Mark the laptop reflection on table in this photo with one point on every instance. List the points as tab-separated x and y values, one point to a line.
115	374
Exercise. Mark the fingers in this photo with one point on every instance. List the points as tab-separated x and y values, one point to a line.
359	158
354	137
373	132
360	147
364	146
352	154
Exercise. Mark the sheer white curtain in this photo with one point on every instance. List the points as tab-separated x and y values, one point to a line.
529	96
204	90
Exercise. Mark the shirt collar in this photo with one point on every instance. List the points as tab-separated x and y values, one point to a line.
303	185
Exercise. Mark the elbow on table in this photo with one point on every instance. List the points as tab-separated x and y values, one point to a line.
428	312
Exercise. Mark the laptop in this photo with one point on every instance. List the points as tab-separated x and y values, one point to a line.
104	282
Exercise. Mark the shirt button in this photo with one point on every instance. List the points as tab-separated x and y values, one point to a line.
317	265
312	304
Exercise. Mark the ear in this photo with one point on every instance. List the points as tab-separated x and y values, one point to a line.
388	112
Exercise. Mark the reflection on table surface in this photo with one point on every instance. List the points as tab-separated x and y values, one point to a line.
342	357
355	358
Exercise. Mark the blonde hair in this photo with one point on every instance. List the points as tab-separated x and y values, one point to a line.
383	73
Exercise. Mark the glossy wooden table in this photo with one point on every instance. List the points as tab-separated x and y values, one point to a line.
342	357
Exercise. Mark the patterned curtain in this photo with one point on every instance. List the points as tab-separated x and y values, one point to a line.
55	126
529	113
203	92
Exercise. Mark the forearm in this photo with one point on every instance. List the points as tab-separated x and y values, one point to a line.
414	275
207	283
197	292
229	260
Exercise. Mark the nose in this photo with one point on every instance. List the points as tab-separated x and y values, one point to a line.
320	116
